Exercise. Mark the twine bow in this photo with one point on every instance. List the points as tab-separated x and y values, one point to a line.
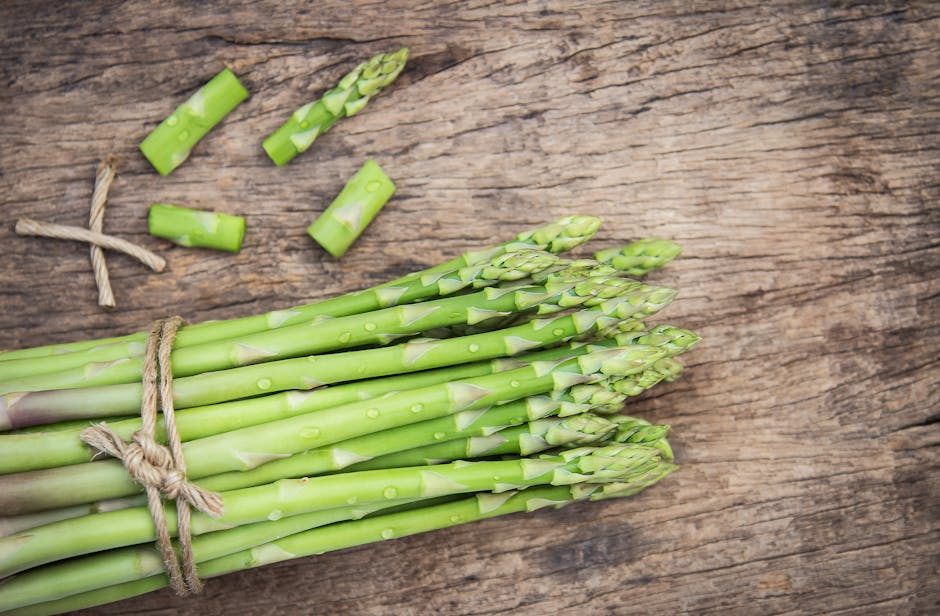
161	469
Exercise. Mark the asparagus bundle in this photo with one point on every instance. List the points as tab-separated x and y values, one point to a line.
487	385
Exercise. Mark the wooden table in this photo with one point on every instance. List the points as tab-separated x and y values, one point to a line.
793	148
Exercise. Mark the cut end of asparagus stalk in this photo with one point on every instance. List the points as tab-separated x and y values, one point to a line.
169	145
352	210
196	228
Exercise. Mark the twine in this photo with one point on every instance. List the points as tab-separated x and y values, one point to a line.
161	469
103	178
28	226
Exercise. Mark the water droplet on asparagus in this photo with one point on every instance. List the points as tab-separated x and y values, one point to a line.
276	514
264	383
184	135
370	327
373	186
388	533
390	492
310	433
417	408
558	331
439	435
455	518
372	413
514	383
473	348
172	120
345	337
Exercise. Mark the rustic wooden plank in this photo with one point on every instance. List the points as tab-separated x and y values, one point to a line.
791	147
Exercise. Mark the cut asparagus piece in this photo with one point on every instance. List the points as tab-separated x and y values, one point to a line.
562	235
346	99
169	145
196	228
352	210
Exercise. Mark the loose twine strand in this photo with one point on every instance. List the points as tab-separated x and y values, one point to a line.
161	469
28	226
103	178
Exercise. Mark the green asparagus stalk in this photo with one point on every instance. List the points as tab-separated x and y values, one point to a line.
580	398
143	561
171	142
248	448
562	235
23	409
288	497
640	257
471	422
322	335
352	331
189	227
346	99
501	266
479	425
353	209
521	440
371	529
37	450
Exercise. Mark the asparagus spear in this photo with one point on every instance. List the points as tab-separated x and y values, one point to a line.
353	209
345	332
640	257
371	529
346	99
250	447
36	450
578	399
562	235
24	409
525	439
188	227
171	142
337	456
105	568
288	497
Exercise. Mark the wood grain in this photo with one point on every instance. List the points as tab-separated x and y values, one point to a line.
793	148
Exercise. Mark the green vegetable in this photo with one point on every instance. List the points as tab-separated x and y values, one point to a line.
632	301
247	448
352	210
170	143
346	421
188	227
289	497
346	99
640	257
565	234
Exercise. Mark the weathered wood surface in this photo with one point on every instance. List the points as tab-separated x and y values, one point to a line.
793	148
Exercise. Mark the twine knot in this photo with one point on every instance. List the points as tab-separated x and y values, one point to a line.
161	469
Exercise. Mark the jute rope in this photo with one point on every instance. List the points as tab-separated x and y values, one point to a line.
28	226
103	178
161	469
